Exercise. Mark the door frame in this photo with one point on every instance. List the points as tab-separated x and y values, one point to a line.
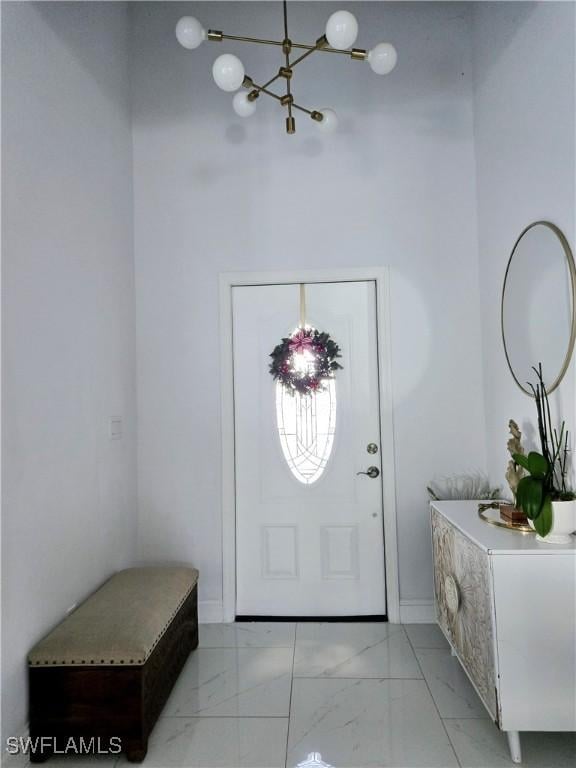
229	280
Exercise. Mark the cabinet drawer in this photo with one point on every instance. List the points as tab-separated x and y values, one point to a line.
464	604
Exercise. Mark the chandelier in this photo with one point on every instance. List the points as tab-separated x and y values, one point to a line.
229	74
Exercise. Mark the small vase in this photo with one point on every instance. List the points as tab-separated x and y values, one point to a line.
563	523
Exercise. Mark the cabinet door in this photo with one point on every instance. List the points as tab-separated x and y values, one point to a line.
535	599
464	605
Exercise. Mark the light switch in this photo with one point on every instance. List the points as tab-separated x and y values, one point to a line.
115	427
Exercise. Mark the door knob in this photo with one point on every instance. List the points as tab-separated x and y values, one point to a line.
372	472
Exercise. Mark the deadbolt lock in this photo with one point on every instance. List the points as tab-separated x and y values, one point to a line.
372	448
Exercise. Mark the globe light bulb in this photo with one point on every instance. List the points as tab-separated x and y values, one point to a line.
342	30
228	72
382	58
242	104
329	122
190	32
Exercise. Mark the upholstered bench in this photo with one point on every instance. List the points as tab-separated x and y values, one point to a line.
105	672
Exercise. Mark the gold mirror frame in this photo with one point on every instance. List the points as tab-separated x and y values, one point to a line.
572	268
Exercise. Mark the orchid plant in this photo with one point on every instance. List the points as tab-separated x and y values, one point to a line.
547	471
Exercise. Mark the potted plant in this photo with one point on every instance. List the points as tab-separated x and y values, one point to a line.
543	494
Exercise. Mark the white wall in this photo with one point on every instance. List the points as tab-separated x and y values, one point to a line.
68	318
524	132
396	186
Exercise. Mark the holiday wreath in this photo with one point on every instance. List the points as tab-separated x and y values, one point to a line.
304	360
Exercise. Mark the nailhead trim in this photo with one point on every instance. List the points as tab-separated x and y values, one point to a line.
121	661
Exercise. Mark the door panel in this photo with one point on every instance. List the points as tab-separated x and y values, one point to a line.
279	550
339	551
307	549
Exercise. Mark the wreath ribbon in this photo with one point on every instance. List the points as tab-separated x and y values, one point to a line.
301	342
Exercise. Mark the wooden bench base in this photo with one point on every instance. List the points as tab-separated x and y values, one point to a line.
110	702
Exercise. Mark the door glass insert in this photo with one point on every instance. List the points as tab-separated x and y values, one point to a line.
306	426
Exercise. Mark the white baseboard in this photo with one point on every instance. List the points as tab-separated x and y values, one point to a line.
411	612
417	612
210	612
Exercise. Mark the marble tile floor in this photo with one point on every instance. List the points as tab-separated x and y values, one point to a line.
314	695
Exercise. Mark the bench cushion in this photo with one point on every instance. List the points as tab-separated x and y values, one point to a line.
121	623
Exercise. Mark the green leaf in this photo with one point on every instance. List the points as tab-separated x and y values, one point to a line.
520	495
537	465
543	522
521	460
529	496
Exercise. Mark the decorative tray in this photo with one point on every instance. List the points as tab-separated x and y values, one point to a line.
490	513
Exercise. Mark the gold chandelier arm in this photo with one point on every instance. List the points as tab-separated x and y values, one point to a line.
272	80
289	100
250	84
303	109
320	43
270	93
278	75
355	53
286	48
317	47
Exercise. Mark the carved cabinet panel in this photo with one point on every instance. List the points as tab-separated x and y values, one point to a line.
464	604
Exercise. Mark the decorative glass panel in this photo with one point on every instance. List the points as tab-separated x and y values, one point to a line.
306	425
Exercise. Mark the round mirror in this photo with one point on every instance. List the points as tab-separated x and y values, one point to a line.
538	306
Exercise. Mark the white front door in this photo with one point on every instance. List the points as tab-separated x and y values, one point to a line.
309	528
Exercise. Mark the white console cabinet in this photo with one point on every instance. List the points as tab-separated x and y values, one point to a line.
507	605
